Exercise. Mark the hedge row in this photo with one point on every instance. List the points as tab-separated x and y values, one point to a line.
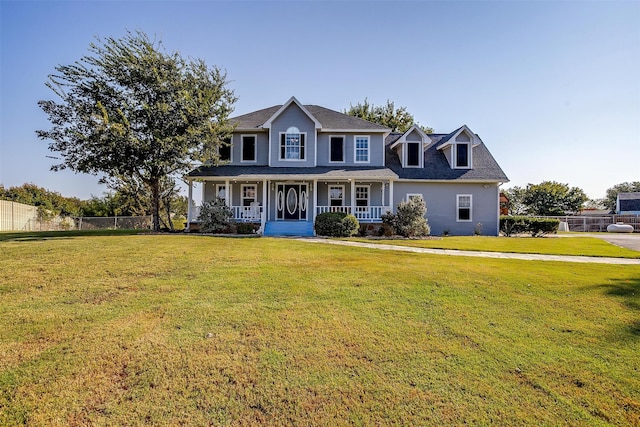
510	225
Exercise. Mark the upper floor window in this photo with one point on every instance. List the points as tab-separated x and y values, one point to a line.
249	148
336	149
292	144
248	194
361	149
224	151
462	155
413	154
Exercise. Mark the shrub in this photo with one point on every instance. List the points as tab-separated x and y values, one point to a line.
215	217
336	224
246	228
537	227
409	220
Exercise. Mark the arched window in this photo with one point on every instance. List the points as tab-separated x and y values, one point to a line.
292	144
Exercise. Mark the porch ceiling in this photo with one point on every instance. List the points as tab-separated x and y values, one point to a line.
265	172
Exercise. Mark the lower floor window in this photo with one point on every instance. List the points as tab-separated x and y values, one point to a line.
248	194
362	196
464	207
336	195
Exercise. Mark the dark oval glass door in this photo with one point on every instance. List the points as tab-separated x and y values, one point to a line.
291	201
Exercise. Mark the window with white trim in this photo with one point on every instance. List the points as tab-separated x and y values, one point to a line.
336	195
221	191
414	196
248	148
362	195
463	207
361	149
336	149
292	144
462	155
248	194
413	154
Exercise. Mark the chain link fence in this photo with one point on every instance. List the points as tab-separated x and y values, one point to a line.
598	223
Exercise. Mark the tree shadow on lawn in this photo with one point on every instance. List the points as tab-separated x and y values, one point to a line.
628	290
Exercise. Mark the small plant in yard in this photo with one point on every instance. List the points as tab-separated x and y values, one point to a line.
215	217
409	220
478	229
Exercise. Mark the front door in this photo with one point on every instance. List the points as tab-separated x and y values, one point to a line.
291	202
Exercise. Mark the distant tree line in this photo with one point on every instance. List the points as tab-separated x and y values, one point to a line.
551	198
127	200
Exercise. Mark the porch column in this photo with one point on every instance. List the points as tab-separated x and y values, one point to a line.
382	184
227	193
315	199
265	188
391	196
353	197
189	205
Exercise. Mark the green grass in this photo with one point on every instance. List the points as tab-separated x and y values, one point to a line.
582	246
192	330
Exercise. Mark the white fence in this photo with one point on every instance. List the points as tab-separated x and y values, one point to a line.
17	216
363	213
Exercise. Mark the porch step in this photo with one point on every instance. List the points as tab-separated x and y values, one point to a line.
289	228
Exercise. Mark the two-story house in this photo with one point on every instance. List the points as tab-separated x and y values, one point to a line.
288	163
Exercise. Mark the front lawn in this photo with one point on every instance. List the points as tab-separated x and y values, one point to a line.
195	330
580	246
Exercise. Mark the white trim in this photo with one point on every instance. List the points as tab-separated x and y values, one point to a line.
368	187
228	193
454	155
306	144
405	154
315	149
189	203
243	198
458	196
216	191
344	146
410	195
255	148
329	186
425	139
355	149
286	105
325	130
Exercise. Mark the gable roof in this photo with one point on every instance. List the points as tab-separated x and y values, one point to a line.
447	140
325	119
404	136
286	105
437	168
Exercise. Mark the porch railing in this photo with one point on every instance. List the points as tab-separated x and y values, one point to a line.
240	213
362	213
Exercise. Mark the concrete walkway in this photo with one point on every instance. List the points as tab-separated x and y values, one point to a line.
500	255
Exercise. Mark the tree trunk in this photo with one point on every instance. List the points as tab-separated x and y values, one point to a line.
155	203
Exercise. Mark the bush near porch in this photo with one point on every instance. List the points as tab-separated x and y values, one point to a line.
336	224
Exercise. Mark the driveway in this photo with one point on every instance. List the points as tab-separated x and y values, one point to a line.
625	240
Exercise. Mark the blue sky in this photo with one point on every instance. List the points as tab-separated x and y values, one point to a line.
552	88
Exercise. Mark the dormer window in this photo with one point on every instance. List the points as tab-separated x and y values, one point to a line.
292	144
462	151
462	155
413	154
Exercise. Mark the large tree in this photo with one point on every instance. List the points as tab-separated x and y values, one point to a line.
553	198
612	193
397	119
131	110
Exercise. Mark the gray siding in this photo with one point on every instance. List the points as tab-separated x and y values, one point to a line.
293	116
441	200
262	142
376	149
375	192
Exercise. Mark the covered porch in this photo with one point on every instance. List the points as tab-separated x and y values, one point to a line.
296	197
